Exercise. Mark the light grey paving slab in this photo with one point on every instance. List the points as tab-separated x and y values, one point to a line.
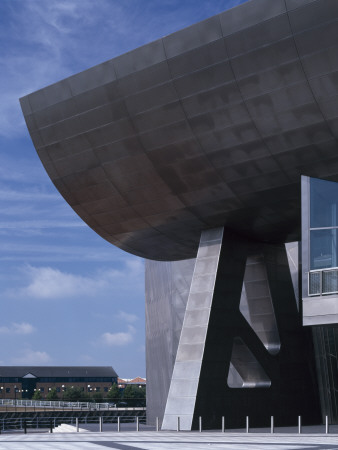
48	445
119	446
225	446
170	440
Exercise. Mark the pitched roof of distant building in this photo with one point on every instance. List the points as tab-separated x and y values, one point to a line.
57	371
137	380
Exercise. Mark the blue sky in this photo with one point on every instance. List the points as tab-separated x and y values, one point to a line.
67	297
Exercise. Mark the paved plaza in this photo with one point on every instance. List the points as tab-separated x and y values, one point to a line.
168	440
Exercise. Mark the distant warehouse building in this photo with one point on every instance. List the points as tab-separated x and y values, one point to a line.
23	381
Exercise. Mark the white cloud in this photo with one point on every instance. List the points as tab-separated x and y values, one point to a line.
31	357
45	41
24	169
17	328
28	210
131	318
23	328
31	195
14	251
39	224
47	283
120	338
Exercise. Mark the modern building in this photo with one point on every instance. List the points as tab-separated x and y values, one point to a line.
213	154
21	382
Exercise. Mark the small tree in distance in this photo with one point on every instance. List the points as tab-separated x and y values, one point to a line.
98	397
37	395
73	394
134	395
52	395
114	393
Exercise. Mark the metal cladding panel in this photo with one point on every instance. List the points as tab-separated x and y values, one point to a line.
192	37
264	350
250	14
167	289
294	4
293	253
210	126
183	387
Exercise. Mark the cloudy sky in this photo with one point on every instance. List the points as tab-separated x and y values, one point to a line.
67	297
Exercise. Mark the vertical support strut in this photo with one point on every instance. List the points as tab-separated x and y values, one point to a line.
190	351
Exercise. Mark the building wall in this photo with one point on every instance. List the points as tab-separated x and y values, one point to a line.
7	390
291	370
44	388
167	289
326	352
94	387
319	280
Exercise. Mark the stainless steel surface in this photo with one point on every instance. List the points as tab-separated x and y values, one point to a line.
320	310
221	348
256	305
210	126
293	254
186	374
305	203
250	374
167	289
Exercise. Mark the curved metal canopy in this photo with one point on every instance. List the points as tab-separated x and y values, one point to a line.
210	126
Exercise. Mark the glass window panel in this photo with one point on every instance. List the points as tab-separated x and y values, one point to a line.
323	203
323	249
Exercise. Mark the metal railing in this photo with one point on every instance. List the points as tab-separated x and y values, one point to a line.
90	423
323	282
138	423
63	405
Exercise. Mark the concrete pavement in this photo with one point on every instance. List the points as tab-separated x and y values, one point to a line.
150	440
